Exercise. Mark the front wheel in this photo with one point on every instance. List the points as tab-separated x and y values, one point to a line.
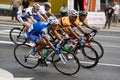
87	56
21	54
16	37
98	47
68	63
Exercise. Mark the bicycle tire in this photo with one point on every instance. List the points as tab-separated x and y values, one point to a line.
21	55
87	56
98	47
15	36
72	65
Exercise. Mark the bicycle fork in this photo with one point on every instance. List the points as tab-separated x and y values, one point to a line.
63	58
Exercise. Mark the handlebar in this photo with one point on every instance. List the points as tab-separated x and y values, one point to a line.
90	35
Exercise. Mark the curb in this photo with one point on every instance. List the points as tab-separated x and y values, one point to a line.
5	75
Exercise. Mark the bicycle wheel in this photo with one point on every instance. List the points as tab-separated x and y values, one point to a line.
87	56
21	54
98	47
15	36
68	63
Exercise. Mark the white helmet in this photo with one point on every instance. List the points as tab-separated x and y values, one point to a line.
36	5
53	20
73	13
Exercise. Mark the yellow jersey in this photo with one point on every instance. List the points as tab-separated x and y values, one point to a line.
64	23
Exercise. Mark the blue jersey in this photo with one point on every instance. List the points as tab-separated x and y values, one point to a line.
36	17
39	26
37	30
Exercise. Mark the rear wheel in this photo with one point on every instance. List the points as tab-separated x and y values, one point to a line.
21	54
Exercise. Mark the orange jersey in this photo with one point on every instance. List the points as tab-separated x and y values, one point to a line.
64	23
77	22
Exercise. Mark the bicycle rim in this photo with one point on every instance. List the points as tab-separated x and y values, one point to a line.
69	66
21	56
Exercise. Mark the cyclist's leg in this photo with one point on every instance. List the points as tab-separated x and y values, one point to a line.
47	39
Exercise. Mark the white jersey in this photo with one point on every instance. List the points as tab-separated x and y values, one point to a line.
42	10
27	12
24	14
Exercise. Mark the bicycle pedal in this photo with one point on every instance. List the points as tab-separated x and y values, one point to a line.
42	63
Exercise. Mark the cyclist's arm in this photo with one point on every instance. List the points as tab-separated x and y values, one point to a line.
32	19
45	16
41	17
51	14
79	28
71	31
55	33
86	25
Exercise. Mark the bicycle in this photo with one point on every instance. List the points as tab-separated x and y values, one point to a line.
84	56
67	63
16	35
90	41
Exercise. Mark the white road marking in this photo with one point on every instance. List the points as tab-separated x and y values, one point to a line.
107	36
106	64
3	26
103	64
23	78
6	42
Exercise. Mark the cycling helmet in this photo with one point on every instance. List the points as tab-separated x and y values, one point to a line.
47	4
72	13
36	5
83	13
52	20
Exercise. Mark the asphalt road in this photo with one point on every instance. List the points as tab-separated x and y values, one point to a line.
107	69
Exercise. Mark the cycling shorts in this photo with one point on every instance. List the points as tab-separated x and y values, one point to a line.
21	19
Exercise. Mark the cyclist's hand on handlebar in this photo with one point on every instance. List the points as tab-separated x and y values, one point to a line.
95	30
86	34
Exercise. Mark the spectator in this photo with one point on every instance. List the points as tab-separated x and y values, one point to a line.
25	3
116	13
108	12
63	10
15	5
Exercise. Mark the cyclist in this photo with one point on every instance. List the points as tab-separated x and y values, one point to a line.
24	14
74	21
38	34
81	19
65	25
44	11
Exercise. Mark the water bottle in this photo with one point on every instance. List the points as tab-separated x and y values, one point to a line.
58	45
82	41
46	52
68	47
65	47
